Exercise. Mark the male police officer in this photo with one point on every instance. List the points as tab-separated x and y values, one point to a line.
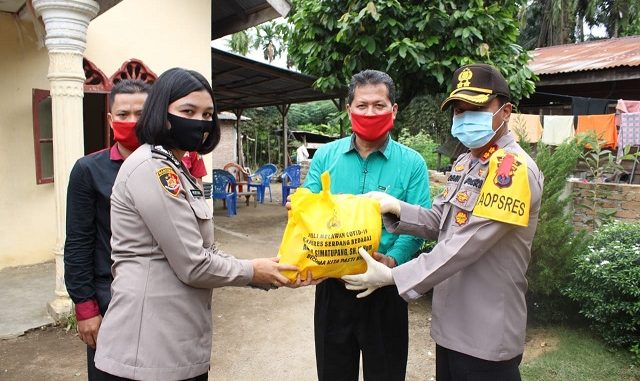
485	221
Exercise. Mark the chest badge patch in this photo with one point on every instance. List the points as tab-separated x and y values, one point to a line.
462	197
461	218
459	168
507	167
169	180
445	192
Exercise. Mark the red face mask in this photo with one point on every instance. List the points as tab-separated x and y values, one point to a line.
371	127
125	134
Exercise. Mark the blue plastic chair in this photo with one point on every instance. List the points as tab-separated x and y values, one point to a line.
290	180
261	180
224	188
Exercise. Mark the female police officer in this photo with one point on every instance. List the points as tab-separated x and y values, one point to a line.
158	325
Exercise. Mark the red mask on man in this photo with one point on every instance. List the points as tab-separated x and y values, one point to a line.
371	127
125	134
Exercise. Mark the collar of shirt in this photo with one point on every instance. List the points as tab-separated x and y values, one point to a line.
114	153
504	141
381	149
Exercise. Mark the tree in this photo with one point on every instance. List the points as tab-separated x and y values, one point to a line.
240	42
418	43
271	37
554	22
620	17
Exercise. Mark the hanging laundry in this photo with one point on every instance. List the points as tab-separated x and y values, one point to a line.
626	106
527	126
603	125
629	131
589	106
557	129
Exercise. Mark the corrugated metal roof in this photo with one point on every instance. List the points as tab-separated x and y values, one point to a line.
592	55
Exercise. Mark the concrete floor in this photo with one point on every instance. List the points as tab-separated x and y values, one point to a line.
24	294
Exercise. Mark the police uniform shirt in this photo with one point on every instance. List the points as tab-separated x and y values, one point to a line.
158	325
477	269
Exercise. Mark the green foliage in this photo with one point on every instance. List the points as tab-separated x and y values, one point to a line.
264	120
325	129
418	43
546	23
72	322
271	37
601	163
239	42
555	243
577	356
422	143
423	115
311	113
606	283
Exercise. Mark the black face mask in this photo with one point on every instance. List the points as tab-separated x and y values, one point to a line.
187	134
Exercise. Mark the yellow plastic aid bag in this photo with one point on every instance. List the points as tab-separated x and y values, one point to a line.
324	232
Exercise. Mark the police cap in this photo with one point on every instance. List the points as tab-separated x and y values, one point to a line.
477	84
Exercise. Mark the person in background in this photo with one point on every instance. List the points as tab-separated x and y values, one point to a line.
485	221
376	327
158	325
301	153
195	165
87	251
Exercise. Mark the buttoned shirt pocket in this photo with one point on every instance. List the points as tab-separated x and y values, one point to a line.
204	215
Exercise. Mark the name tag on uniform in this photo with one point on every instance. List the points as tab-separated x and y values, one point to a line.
196	192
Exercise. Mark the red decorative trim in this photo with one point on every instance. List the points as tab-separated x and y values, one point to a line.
96	81
134	69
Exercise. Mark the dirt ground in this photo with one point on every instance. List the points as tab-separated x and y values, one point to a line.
257	335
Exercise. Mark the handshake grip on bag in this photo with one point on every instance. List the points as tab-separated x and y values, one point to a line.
325	231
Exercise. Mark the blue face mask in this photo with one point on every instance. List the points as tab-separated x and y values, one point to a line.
474	129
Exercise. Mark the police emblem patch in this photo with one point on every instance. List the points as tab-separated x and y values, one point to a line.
459	168
169	180
462	197
462	218
507	167
445	192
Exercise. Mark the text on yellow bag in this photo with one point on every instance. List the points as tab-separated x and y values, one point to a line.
324	232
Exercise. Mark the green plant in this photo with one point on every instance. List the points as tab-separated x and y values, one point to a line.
576	355
72	322
422	143
423	115
556	242
606	283
420	44
600	164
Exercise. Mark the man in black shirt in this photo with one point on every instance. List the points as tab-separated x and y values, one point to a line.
87	250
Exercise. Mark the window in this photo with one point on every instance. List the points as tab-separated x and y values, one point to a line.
42	136
95	105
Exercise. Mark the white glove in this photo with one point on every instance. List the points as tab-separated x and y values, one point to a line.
376	276
388	203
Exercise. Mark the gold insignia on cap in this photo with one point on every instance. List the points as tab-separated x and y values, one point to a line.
464	78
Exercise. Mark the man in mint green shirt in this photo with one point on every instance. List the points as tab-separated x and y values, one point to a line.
369	160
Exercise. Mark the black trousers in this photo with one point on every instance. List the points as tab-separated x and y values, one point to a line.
96	374
456	366
377	325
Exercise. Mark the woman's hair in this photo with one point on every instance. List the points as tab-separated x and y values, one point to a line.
173	84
